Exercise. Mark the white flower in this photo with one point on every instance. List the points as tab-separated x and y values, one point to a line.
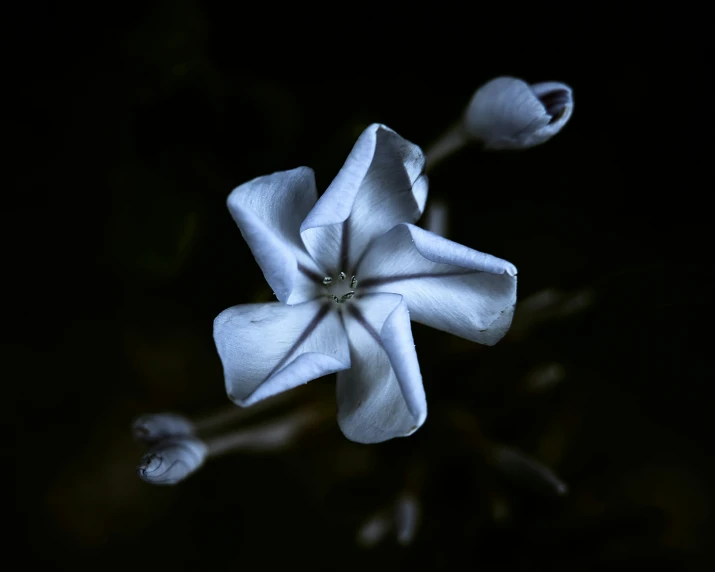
508	113
350	270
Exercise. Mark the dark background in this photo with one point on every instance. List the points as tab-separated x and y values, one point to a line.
127	130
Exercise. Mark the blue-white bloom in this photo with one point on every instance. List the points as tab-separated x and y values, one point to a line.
508	113
349	271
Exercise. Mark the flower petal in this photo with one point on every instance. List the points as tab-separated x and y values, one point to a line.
446	285
268	211
381	396
381	184
507	113
269	348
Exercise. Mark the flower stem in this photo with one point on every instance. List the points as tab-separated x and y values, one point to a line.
233	413
436	218
448	143
269	436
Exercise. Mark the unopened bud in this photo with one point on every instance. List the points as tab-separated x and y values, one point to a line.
172	460
154	428
508	113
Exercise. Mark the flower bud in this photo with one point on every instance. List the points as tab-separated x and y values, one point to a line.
172	460
508	113
153	428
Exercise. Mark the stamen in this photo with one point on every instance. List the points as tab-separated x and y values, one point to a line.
345	297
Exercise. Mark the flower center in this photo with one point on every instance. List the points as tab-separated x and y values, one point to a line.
340	280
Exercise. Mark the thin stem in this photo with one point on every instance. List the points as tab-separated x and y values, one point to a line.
509	461
268	436
448	143
436	218
233	413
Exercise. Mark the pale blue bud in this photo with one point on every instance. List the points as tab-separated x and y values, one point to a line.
508	113
172	460
153	428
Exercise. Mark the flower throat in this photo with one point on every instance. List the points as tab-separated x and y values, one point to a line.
328	282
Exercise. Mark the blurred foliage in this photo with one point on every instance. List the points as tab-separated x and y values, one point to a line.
133	125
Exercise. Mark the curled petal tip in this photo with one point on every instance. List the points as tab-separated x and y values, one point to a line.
508	113
172	461
150	463
556	102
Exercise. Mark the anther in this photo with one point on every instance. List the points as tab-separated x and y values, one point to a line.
342	276
348	295
336	299
353	282
327	280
